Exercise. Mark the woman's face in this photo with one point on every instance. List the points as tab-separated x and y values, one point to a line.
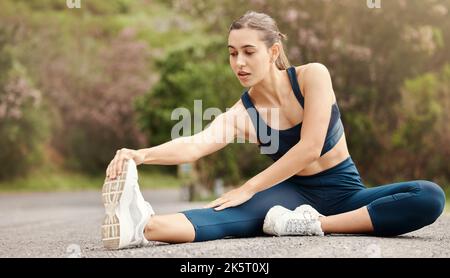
250	59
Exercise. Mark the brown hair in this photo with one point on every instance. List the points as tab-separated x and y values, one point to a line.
271	34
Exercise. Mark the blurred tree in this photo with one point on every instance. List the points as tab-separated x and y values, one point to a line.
91	63
23	122
420	142
97	112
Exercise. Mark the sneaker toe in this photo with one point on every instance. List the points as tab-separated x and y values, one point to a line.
272	215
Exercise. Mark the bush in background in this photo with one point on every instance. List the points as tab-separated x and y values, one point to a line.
23	122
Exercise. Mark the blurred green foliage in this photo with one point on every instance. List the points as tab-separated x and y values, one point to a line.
23	120
110	74
423	126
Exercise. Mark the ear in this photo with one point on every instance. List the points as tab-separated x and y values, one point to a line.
275	51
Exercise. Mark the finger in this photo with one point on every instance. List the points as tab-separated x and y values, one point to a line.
210	204
115	163
118	164
107	170
121	164
113	168
224	206
215	203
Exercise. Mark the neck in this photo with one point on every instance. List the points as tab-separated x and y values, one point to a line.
270	88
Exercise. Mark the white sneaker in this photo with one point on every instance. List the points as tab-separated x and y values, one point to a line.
127	213
273	214
304	220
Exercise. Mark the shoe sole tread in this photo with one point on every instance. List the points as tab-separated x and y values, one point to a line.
111	193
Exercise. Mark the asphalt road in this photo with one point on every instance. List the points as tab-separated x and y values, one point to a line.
68	225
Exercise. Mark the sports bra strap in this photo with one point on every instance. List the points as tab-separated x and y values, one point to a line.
252	112
295	87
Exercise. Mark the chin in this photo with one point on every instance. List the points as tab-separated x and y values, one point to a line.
246	85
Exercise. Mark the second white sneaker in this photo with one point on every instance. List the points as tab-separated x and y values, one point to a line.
304	220
127	213
272	215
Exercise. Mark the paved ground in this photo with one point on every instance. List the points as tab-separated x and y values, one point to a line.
68	224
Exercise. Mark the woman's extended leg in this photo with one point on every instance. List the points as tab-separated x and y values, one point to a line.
387	210
242	221
170	228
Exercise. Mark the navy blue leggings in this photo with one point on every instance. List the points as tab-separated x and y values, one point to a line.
394	209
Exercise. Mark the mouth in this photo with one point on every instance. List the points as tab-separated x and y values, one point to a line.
243	75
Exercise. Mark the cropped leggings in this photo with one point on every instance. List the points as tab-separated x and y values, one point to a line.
394	209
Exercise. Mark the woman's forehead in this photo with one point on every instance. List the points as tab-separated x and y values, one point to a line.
244	38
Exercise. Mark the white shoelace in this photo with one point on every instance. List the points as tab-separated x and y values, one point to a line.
300	226
305	225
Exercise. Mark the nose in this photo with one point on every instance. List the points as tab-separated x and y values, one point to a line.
240	61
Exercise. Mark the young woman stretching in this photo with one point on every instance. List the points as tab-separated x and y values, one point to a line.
312	188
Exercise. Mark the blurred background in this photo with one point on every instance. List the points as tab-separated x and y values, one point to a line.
76	84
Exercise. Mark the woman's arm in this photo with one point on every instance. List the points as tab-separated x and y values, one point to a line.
316	117
214	137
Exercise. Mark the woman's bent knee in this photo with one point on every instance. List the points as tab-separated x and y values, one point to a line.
432	200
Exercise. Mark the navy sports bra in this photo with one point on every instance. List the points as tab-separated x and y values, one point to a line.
291	136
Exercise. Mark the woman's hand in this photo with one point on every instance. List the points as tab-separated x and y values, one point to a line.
115	166
232	198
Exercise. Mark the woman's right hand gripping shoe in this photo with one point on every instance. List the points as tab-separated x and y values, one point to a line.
127	213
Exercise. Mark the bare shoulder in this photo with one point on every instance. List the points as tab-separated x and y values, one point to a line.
306	72
312	74
311	70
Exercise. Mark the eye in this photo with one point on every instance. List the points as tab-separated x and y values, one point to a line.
233	54
249	53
